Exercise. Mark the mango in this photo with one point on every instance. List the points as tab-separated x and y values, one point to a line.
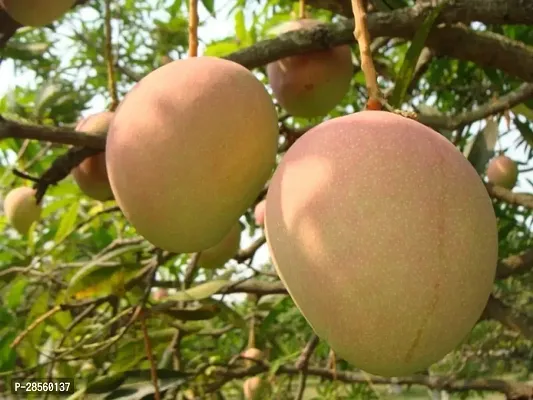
189	150
386	239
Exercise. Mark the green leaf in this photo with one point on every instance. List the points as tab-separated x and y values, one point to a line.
15	294
199	292
106	383
240	26
137	384
411	58
25	51
39	308
388	5
523	110
222	48
199	314
231	316
47	95
481	149
209	6
526	135
68	221
6	317
93	273
8	356
58	203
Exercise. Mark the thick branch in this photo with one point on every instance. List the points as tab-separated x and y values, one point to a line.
505	102
498	311
515	264
12	129
486	11
512	389
247	253
512	198
484	48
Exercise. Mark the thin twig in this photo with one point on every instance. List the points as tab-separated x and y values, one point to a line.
303	362
111	82
148	349
301	10
307	352
190	272
34	325
193	28
367	64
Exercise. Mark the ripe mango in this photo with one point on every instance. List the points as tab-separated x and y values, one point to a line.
311	84
91	174
386	239
189	150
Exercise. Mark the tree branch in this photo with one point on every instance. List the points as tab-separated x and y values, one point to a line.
513	390
503	103
499	311
13	129
487	11
515	265
484	48
512	198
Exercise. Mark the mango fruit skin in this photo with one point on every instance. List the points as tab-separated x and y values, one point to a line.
386	239
311	84
91	174
223	251
189	150
36	13
21	208
502	171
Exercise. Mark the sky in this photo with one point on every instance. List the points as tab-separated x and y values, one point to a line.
211	29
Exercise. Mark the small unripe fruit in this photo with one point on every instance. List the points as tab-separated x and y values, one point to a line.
220	253
259	213
502	171
256	388
311	84
36	12
21	208
253	354
386	239
91	174
190	149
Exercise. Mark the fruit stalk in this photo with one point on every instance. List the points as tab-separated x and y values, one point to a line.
111	82
367	64
301	10
193	28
